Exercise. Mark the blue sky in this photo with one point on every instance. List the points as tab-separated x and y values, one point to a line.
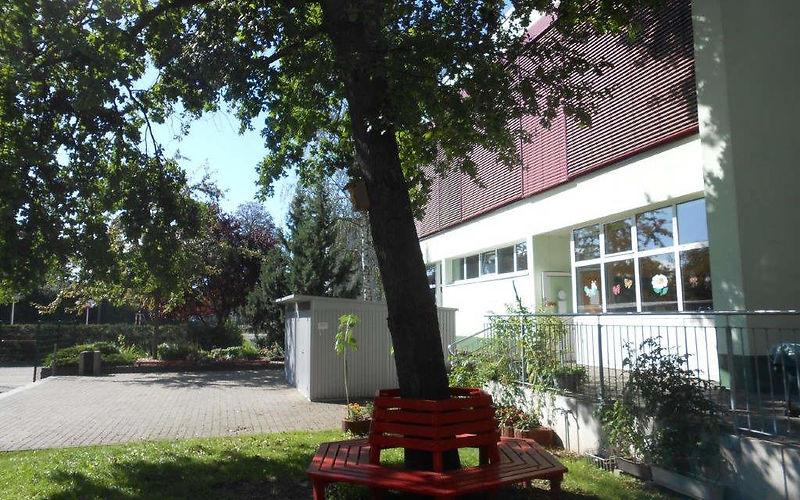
214	143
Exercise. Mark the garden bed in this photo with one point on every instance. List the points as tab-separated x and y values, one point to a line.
160	366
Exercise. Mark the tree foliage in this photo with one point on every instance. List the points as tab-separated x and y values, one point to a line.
73	160
378	88
318	262
260	310
229	253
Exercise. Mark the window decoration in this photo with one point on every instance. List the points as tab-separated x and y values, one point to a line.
591	290
660	284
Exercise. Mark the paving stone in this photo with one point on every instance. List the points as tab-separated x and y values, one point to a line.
79	411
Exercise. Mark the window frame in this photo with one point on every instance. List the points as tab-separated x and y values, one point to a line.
635	254
490	275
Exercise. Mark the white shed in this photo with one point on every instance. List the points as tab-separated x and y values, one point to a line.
311	363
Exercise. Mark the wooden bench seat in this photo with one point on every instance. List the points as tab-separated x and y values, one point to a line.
521	460
466	420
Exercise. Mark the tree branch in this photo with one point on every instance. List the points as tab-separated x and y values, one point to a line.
148	16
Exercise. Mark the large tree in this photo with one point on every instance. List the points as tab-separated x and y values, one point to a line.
379	88
228	255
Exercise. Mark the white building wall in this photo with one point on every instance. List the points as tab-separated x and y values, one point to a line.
746	55
669	173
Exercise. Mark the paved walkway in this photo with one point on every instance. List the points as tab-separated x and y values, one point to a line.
15	376
77	411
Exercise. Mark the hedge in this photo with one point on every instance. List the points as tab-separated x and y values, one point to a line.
146	337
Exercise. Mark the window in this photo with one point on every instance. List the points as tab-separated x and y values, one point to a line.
692	225
696	278
590	300
488	263
654	229
587	243
620	286
657	283
432	271
521	252
457	269
505	260
471	266
618	236
657	260
497	261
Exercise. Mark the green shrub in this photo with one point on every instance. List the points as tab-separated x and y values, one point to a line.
216	336
247	351
171	351
272	353
109	354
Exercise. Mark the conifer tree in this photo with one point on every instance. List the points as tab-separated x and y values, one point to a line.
319	264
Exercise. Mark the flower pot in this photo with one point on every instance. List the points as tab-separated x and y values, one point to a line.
357	427
568	382
636	469
687	485
542	435
506	431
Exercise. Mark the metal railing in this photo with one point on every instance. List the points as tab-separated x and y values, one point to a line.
751	358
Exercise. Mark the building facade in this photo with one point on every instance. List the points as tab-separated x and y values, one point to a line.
681	196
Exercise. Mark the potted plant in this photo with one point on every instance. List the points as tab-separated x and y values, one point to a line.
665	415
626	439
507	418
530	427
357	417
570	377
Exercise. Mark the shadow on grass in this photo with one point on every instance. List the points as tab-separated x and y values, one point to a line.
233	476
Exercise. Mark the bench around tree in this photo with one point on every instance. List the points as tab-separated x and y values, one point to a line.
464	421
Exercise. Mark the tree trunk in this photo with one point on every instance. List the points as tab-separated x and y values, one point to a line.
413	320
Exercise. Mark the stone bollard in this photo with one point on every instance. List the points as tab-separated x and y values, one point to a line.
89	363
96	363
85	359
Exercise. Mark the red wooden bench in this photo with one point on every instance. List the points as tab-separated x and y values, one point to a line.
464	421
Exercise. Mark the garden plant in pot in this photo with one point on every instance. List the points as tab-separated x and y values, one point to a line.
667	417
358	417
508	417
530	427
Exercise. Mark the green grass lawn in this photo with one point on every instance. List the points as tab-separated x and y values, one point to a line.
245	467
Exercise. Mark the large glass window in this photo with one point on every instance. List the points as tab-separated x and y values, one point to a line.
696	277
654	229
620	286
618	236
587	242
645	262
590	299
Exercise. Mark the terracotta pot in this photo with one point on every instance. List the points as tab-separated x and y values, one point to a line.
357	427
634	468
506	431
542	435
